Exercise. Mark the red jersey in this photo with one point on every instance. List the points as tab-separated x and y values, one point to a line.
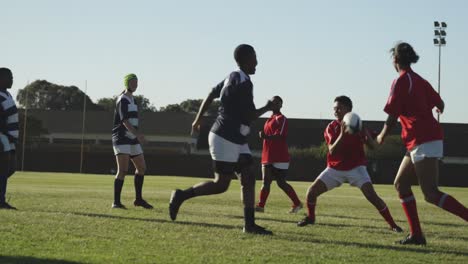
412	99
349	154
275	150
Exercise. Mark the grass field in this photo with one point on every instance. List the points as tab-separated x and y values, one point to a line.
66	218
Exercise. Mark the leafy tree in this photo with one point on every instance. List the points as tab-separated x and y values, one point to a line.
44	95
191	106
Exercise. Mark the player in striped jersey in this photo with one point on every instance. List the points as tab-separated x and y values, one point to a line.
8	134
126	143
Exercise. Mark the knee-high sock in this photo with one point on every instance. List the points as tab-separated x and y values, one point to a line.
453	206
117	189
3	186
409	206
311	210
138	181
292	195
249	216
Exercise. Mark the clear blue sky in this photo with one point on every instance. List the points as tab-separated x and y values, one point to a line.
308	51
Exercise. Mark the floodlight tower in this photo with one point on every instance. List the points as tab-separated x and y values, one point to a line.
439	40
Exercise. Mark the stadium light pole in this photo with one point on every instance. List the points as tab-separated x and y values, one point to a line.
24	129
83	127
440	34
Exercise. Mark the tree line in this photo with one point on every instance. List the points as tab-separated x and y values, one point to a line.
44	95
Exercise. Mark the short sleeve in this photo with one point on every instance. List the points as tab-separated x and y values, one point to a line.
123	109
433	97
394	106
216	91
330	135
282	126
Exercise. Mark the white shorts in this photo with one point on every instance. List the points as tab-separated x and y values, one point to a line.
224	150
334	178
432	149
278	165
5	144
132	150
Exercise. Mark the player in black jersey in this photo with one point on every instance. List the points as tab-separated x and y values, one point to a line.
228	139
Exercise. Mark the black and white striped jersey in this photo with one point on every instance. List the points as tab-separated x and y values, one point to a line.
9	125
237	106
126	109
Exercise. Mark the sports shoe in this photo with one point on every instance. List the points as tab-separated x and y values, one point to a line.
174	203
256	230
413	240
259	209
7	206
142	203
397	229
306	221
295	209
118	206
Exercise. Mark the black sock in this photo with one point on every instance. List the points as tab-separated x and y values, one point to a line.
249	216
189	193
3	186
138	180
117	190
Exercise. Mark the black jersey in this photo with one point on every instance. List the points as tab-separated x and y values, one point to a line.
237	107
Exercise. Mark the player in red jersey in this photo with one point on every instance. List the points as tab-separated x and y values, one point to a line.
346	162
412	99
275	157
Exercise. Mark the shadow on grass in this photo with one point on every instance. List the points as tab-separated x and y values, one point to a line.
415	249
378	219
22	259
153	220
294	222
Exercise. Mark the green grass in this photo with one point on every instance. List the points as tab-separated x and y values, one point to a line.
66	218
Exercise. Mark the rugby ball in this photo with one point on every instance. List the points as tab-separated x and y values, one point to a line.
353	123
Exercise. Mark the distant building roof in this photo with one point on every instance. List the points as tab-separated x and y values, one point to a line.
100	122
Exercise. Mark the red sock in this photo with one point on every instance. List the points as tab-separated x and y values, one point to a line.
450	204
387	216
263	197
293	196
311	210
409	206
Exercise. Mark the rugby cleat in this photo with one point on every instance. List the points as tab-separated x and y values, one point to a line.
174	203
7	206
413	240
256	230
142	203
118	206
295	209
306	221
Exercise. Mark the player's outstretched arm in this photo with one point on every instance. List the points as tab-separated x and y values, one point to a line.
260	111
388	126
203	108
